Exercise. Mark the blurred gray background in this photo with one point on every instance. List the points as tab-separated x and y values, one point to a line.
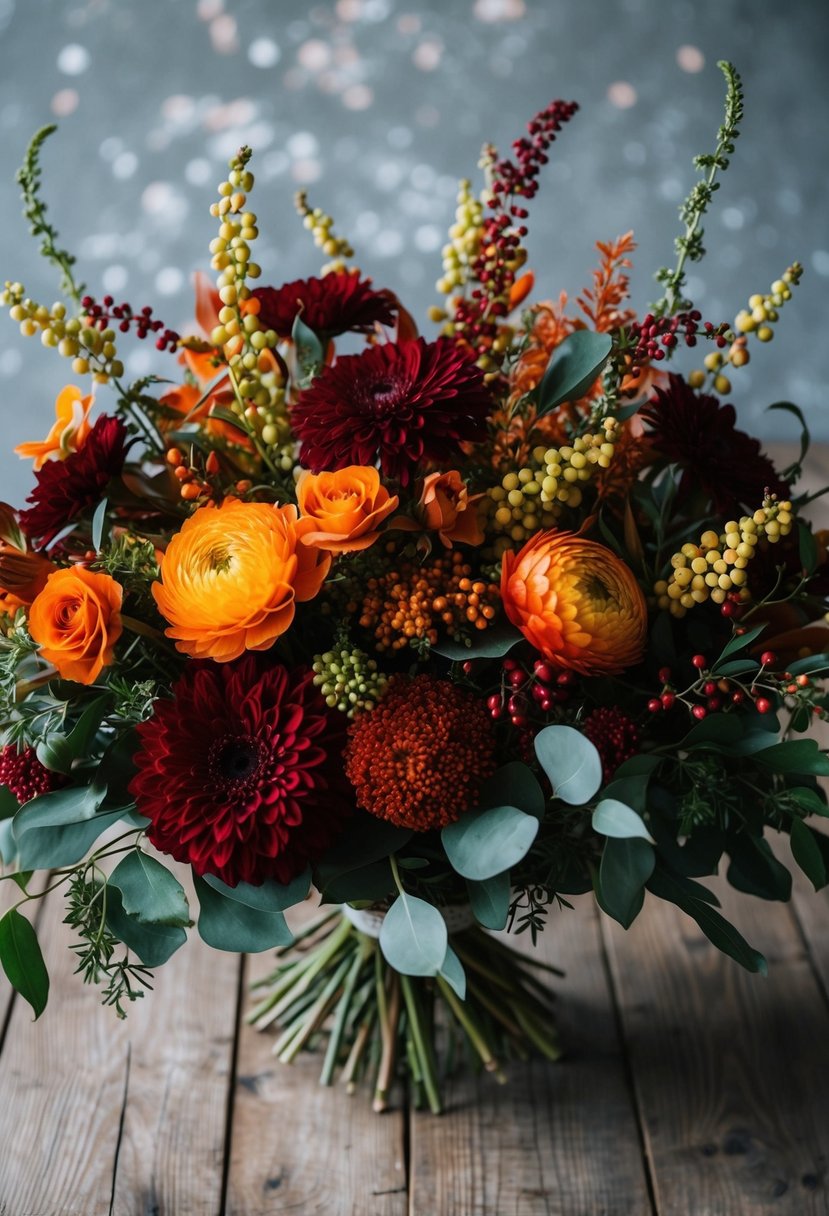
377	107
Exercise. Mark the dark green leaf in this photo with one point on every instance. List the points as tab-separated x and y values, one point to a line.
8	803
267	896
54	753
228	924
809	665
367	840
794	471
795	756
737	643
489	643
22	960
149	892
152	943
807	547
374	881
807	854
58	829
625	868
483	843
755	870
738	667
809	800
515	785
574	365
490	900
715	927
414	937
227	416
571	762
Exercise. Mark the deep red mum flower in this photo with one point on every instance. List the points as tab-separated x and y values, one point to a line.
405	404
614	735
24	775
67	487
338	303
420	757
241	772
700	434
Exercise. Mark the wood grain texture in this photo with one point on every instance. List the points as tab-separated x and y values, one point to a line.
729	1067
297	1147
557	1140
101	1116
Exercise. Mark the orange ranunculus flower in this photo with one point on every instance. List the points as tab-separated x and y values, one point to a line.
69	431
576	602
344	508
76	621
448	509
231	577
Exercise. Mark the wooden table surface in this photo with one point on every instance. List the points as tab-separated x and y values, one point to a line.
690	1088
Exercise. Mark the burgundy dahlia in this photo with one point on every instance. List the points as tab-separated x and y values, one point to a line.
23	774
241	774
67	487
699	433
338	303
405	405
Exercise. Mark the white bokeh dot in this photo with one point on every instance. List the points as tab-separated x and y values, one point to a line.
820	261
11	361
124	165
198	171
264	53
428	238
73	59
115	278
169	280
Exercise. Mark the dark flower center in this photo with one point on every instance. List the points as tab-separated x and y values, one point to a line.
236	759
384	396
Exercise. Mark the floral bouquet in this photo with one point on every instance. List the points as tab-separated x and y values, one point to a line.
450	629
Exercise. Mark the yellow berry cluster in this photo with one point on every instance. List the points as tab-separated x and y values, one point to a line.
464	242
90	349
321	227
534	497
717	565
349	680
757	319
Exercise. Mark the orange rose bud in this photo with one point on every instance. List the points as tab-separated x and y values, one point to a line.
23	575
76	622
231	577
69	431
576	602
344	509
448	509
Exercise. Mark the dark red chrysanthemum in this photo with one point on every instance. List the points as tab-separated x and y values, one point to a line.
241	773
614	736
405	404
338	303
699	433
67	487
420	757
23	774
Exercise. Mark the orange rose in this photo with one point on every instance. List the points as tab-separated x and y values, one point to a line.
344	508
576	602
70	429
231	577
448	509
76	622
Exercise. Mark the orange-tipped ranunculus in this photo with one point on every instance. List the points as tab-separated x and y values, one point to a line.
69	431
344	508
76	621
231	577
448	509
576	602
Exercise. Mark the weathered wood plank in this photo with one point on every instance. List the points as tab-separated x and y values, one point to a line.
100	1116
726	1064
298	1147
559	1139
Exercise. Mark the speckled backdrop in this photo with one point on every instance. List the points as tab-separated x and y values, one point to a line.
377	106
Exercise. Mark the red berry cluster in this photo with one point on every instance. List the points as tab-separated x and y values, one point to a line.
717	693
546	686
653	336
24	775
476	317
614	735
108	313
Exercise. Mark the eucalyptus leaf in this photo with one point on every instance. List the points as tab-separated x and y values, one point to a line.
153	944
490	900
573	367
309	350
571	762
149	892
614	818
22	960
98	521
414	937
483	843
266	897
452	971
229	924
514	784
489	643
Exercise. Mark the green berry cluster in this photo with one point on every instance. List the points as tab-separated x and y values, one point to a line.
91	349
321	227
349	680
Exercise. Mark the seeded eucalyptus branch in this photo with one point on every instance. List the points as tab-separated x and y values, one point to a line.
689	246
28	178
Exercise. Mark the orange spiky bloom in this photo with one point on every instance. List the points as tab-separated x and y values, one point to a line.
602	303
576	602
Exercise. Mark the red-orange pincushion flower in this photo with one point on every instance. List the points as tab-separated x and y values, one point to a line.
576	602
338	303
420	757
404	405
241	773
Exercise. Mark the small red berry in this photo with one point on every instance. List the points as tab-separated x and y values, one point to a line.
738	697
517	678
803	681
709	688
699	711
467	667
768	656
714	703
494	701
544	671
667	700
655	705
518	719
664	675
762	705
699	661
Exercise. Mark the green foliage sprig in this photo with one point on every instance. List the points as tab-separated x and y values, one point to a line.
689	246
34	209
96	951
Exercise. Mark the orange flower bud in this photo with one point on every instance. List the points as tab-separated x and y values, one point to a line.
576	602
343	509
76	622
448	509
231	577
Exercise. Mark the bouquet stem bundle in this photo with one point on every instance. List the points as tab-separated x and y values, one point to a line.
334	989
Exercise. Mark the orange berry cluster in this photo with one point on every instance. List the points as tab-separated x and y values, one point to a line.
419	603
194	481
